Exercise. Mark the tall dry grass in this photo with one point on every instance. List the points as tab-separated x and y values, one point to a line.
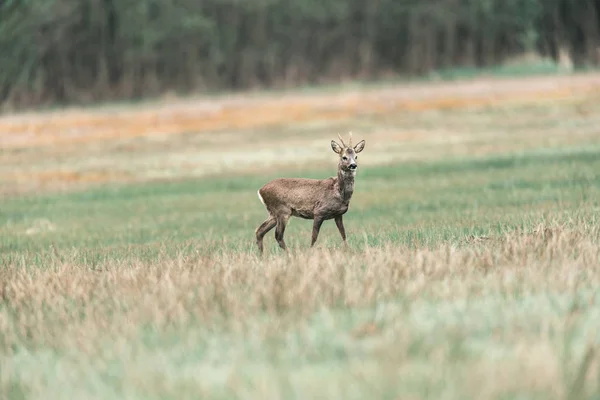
518	296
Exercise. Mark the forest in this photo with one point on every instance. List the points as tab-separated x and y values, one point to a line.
85	51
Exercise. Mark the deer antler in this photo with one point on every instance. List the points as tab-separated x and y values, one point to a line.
350	142
342	140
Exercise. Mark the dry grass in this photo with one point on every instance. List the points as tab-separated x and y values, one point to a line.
514	314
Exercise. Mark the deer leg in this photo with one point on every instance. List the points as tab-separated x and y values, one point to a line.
339	222
316	227
279	231
262	230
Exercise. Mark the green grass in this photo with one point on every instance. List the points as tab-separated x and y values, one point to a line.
154	290
401	201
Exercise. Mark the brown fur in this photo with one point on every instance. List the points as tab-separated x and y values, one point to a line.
316	199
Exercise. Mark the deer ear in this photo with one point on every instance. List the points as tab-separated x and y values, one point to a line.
359	147
336	147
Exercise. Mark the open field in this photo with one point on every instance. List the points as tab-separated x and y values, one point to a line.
129	269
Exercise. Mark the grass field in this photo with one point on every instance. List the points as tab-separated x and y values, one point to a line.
129	268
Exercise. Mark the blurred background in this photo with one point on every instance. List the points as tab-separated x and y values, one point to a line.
84	51
138	90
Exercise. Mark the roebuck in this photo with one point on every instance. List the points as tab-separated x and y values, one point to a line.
316	199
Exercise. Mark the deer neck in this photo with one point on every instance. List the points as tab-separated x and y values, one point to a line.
345	184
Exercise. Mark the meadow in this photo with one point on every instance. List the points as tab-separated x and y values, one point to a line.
129	267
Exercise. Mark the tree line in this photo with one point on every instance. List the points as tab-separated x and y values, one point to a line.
60	51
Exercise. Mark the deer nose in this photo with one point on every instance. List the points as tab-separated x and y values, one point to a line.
353	166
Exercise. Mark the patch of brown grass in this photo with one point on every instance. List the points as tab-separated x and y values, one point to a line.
174	289
72	307
84	126
74	148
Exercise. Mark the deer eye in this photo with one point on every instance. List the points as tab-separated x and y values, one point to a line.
345	158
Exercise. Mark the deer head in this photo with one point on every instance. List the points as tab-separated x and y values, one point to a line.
347	153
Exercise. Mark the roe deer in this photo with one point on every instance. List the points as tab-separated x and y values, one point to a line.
316	199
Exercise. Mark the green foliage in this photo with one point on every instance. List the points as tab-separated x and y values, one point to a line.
68	50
